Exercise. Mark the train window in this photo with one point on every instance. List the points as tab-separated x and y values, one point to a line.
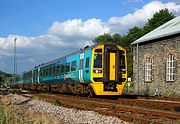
122	52
54	70
62	68
46	72
81	64
50	70
97	60
122	64
58	69
68	67
98	50
41	73
87	63
73	66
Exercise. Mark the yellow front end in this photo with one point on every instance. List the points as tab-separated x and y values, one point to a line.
98	88
107	67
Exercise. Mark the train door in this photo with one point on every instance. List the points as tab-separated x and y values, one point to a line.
111	63
38	71
35	75
81	64
112	69
32	80
86	71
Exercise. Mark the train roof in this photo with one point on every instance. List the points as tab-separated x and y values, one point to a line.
79	51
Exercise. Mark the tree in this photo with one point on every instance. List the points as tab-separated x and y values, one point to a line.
1	78
134	33
116	38
157	20
103	38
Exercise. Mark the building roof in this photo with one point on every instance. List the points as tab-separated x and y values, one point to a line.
169	28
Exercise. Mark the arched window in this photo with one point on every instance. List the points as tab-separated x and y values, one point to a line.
148	70
170	67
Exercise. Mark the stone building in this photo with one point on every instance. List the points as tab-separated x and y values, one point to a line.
156	57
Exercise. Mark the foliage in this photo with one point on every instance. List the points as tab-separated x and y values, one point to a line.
2	120
116	38
4	78
129	87
57	102
135	33
157	20
103	38
7	117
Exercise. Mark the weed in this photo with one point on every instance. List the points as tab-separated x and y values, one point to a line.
57	102
6	117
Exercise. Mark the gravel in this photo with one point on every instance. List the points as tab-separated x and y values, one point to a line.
65	115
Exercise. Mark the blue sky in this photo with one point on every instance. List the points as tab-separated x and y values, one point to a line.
34	17
47	29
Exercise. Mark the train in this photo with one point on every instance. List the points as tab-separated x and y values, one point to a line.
100	69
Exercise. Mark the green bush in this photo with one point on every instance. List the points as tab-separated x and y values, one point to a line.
131	87
6	117
126	86
9	117
57	102
2	118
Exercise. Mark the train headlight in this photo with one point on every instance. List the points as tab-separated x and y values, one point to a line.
97	71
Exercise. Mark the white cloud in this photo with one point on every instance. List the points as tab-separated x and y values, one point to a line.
140	16
23	41
65	37
2	63
31	60
77	27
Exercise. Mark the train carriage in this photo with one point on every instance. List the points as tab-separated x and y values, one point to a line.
99	69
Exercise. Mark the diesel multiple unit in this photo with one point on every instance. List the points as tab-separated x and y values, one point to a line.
99	69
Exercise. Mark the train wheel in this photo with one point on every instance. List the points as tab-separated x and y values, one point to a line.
91	93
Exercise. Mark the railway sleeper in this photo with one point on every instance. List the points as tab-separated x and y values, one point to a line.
171	115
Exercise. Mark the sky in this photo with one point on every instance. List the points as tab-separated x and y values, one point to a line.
48	29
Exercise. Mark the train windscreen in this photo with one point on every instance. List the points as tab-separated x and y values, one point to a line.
98	61
122	64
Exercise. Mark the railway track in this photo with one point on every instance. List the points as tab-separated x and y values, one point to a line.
140	110
143	111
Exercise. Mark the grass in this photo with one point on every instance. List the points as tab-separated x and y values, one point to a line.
18	114
57	102
129	88
2	118
6	117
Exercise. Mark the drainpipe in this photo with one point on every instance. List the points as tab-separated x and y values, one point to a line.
137	73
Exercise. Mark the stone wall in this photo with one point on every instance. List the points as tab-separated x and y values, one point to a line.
158	51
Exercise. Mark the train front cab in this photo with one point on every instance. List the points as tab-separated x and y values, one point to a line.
109	72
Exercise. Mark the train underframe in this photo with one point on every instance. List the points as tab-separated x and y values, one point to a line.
82	89
70	88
